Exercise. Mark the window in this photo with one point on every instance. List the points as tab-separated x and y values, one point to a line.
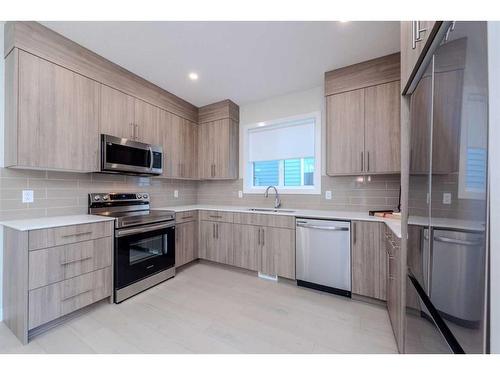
283	153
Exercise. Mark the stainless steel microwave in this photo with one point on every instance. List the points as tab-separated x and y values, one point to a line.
121	155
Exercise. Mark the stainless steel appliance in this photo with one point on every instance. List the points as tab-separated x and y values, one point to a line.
323	251
446	304
144	248
121	155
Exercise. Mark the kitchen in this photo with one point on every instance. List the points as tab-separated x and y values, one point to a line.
360	201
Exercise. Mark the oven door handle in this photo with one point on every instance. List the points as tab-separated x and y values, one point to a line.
142	229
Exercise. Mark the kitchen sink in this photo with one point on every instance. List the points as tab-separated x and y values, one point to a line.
269	210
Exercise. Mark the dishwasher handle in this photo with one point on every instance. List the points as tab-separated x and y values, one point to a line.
323	227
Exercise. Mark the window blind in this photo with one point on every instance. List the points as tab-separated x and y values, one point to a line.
291	140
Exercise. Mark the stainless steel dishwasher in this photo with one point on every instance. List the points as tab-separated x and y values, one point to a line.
323	255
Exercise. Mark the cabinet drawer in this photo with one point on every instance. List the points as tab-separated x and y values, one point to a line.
42	238
183	217
59	263
216	216
53	301
266	220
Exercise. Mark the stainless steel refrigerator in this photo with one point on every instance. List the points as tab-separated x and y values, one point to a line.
446	303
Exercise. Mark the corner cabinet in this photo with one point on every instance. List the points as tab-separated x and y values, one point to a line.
363	118
218	141
52	116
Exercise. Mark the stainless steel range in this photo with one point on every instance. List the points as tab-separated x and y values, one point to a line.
144	249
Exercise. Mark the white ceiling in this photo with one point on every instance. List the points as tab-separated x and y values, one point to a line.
241	61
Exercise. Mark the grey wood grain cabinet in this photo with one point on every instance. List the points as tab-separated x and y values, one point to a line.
179	138
277	255
395	282
216	241
218	141
52	116
125	116
186	242
246	247
49	273
363	118
368	260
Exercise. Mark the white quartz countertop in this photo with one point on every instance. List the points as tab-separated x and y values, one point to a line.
53	221
393	224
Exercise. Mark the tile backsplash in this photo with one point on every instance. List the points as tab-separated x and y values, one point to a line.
348	193
66	193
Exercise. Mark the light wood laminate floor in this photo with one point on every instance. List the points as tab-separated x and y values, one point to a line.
208	308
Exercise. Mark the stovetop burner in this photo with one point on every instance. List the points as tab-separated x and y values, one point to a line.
129	209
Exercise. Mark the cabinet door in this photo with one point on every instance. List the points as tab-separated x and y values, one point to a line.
186	235
58	117
147	119
345	133
246	246
366	269
382	128
409	53
169	134
277	255
216	241
207	142
116	113
188	138
206	242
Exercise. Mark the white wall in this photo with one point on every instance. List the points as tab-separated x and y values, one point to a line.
494	177
2	101
278	107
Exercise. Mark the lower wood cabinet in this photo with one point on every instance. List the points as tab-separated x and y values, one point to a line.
186	242
277	256
246	247
368	260
215	241
395	276
49	273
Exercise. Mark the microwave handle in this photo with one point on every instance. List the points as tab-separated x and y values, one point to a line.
150	158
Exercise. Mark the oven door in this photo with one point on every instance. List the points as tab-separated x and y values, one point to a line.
124	155
143	251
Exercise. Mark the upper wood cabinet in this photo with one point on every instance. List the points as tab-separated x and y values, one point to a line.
117	113
179	139
416	37
368	260
124	116
382	129
363	118
52	116
345	132
218	141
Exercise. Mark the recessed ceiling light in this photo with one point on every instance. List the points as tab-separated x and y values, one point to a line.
193	76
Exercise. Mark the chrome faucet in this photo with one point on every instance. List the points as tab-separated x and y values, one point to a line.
277	200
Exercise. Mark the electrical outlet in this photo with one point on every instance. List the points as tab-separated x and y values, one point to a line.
176	193
240	194
446	198
28	196
328	194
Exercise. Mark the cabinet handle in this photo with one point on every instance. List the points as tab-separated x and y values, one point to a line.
74	261
362	161
353	232
76	234
258	241
217	231
416	31
137	132
187	217
215	216
213	230
368	161
76	295
263	237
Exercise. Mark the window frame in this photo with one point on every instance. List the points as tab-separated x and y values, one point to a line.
248	177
